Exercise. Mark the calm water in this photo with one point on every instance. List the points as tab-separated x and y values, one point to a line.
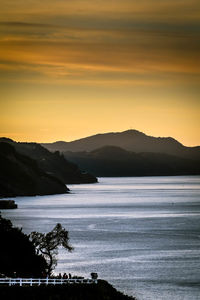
141	234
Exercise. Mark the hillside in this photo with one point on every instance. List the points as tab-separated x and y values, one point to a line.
21	176
18	254
101	291
26	263
52	163
114	161
130	140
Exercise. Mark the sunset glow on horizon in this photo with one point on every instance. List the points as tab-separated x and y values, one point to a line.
70	69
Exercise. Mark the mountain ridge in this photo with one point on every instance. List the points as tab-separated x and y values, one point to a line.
130	140
112	161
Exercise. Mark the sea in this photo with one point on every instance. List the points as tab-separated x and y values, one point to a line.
142	234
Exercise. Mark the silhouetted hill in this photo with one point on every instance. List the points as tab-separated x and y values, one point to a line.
114	161
52	163
18	253
130	140
21	176
101	291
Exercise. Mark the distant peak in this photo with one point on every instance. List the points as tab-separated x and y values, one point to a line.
133	131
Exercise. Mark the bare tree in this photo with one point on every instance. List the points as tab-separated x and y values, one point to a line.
48	244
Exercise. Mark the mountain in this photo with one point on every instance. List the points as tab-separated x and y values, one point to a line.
21	176
52	163
130	140
114	161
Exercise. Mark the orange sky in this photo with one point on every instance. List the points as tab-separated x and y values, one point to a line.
70	69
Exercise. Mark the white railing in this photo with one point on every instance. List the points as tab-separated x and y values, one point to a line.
44	281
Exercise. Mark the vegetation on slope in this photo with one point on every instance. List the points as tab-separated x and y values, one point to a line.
21	176
54	164
114	161
18	254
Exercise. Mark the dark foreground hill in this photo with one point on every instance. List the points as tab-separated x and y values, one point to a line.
18	254
53	164
130	140
114	161
21	176
101	291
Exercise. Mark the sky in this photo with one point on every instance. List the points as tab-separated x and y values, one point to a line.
70	69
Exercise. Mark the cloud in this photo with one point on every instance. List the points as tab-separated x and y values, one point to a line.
23	24
100	40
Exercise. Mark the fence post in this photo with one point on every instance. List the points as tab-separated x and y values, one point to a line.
47	281
20	282
39	282
31	283
9	281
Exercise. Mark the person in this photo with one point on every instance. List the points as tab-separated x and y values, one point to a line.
94	275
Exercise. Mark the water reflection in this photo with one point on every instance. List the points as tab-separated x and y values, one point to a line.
141	234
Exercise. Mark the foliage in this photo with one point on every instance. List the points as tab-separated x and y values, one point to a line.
48	244
18	254
22	176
